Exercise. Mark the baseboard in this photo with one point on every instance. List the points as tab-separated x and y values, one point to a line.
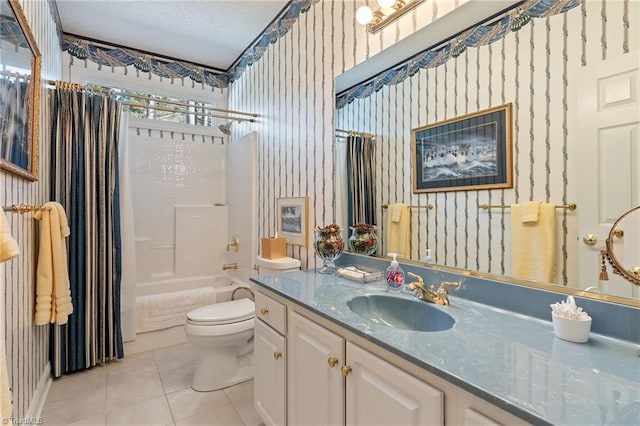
40	397
152	340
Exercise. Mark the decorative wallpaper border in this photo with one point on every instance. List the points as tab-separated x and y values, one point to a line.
121	57
479	35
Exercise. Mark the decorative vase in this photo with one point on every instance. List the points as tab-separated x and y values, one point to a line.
363	239
329	246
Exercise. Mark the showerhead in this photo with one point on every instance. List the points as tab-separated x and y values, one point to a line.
226	128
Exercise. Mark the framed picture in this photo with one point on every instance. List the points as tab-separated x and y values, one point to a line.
292	214
464	153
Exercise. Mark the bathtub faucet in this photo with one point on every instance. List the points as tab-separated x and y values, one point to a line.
229	266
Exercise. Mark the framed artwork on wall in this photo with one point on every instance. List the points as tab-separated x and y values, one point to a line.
292	219
464	153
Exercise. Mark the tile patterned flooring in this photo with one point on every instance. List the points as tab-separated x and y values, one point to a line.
145	389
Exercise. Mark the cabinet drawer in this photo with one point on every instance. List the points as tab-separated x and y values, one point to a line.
272	312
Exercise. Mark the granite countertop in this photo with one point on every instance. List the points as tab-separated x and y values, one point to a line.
511	360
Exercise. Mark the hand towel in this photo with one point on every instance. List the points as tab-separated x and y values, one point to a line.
53	292
8	246
398	233
395	212
529	212
533	248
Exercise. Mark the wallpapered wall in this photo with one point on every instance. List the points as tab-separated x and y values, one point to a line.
291	88
28	346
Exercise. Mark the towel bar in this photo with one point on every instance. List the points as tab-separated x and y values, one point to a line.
22	208
570	206
428	207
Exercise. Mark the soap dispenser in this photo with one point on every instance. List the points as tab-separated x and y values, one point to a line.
394	275
427	257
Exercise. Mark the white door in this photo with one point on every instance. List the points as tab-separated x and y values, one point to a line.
270	372
314	382
379	393
242	198
607	126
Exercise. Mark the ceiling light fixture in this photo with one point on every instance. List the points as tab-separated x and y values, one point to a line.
387	12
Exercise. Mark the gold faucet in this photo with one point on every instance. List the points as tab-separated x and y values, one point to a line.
439	297
229	266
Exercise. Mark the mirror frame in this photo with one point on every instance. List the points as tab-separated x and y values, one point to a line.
33	127
616	264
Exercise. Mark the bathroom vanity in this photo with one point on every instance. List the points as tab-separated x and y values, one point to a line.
319	358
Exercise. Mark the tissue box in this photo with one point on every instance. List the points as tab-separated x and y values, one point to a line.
274	248
570	329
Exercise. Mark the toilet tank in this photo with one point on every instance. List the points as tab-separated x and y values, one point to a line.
276	266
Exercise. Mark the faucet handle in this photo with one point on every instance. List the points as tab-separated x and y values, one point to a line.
445	284
418	277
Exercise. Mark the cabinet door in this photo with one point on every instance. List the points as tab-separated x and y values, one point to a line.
315	384
379	393
270	375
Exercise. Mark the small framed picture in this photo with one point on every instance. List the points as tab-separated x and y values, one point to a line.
292	219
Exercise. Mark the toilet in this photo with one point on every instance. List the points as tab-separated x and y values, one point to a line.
222	334
276	266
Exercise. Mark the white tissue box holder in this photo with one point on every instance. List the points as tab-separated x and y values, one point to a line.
572	330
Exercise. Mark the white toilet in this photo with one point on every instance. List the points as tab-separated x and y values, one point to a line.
223	336
275	266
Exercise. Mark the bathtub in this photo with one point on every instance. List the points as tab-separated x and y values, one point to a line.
223	284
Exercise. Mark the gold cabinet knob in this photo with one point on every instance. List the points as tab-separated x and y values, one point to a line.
590	240
277	355
264	311
346	370
332	361
618	233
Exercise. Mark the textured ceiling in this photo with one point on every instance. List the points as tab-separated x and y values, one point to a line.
207	32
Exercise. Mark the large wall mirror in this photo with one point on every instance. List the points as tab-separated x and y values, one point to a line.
563	152
19	93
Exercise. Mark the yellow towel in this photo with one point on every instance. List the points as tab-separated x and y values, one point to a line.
398	230
534	244
530	212
53	293
8	246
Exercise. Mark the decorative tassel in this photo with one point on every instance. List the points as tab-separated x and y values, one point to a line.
603	265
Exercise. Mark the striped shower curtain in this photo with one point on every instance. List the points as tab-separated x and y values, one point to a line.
84	179
361	180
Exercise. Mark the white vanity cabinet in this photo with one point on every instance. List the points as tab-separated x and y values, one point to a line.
270	361
330	376
320	362
380	393
315	384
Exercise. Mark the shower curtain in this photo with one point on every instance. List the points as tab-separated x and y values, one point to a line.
84	179
361	180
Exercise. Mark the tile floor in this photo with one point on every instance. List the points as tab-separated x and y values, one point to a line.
149	388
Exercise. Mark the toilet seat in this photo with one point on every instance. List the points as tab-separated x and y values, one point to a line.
222	313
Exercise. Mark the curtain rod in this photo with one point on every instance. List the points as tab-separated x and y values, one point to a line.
355	133
76	86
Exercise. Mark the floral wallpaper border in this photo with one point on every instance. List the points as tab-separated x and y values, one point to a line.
121	57
480	35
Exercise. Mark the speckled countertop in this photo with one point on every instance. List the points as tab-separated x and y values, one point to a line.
513	361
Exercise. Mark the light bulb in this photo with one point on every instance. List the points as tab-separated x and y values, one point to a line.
386	4
364	15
